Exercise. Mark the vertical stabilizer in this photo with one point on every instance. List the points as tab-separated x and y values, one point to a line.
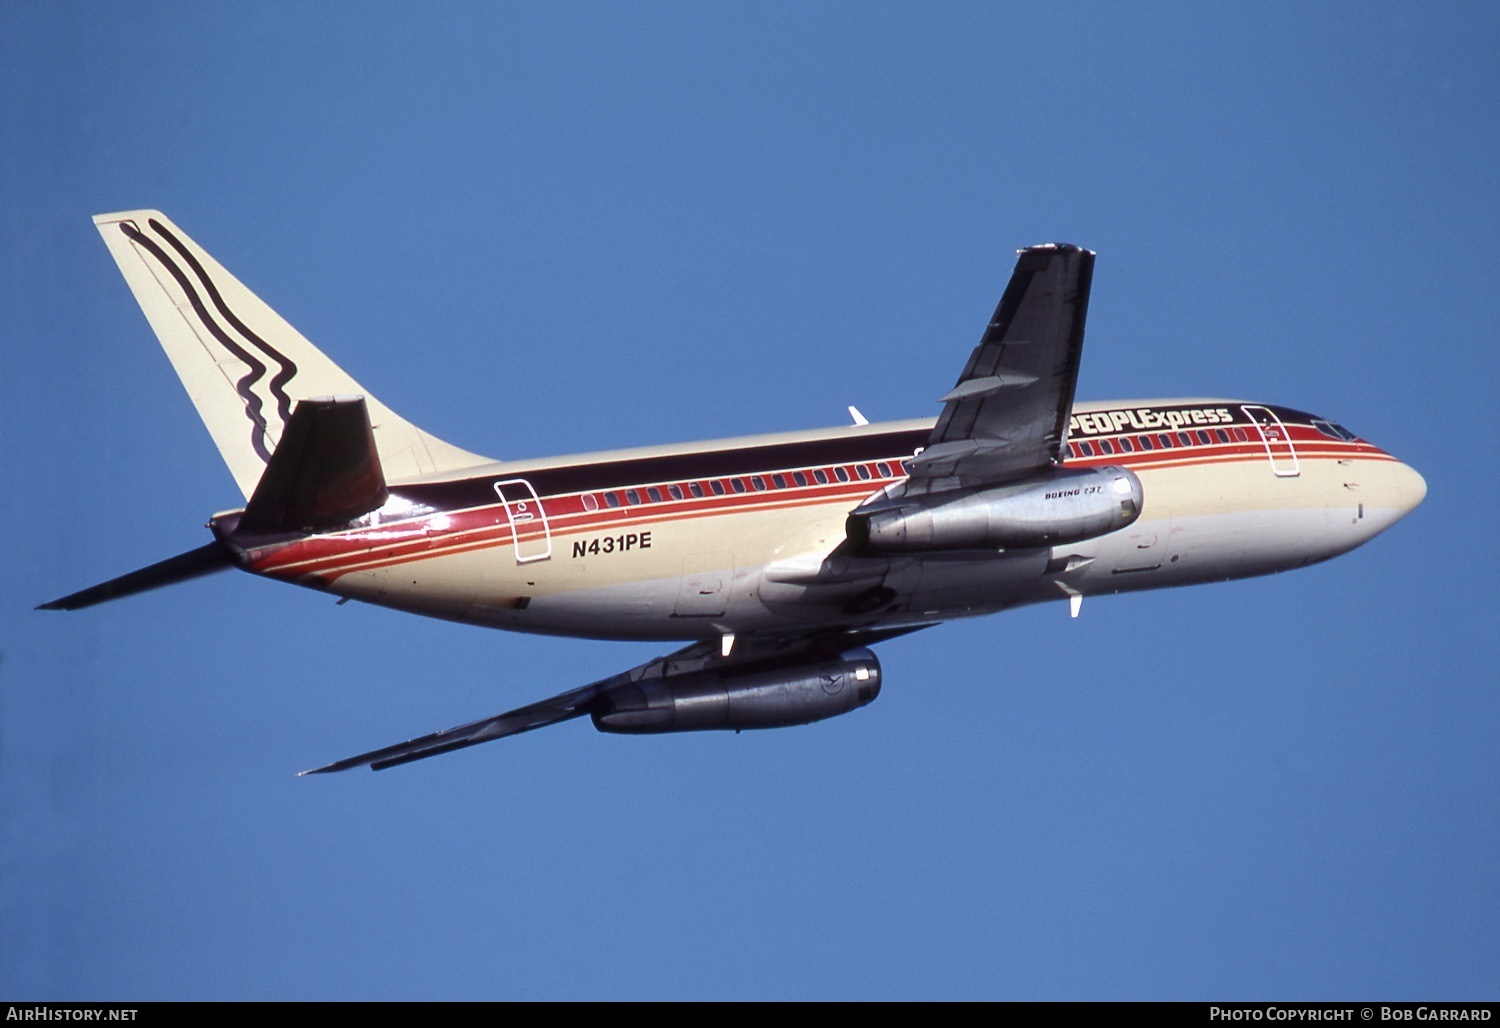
242	364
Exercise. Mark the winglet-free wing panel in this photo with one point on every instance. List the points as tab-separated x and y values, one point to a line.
762	676
524	719
1008	413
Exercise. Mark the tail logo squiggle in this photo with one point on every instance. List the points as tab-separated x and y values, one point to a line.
240	349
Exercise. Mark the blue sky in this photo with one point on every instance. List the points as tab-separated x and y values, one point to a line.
554	228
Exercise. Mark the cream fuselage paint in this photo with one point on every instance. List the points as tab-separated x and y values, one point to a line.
744	535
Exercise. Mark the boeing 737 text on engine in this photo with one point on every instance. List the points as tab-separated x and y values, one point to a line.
778	559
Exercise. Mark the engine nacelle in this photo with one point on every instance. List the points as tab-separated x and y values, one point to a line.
735	699
1061	506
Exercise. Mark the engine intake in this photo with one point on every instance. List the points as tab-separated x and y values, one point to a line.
1061	506
735	699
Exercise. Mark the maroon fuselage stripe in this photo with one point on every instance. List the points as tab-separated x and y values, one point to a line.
466	515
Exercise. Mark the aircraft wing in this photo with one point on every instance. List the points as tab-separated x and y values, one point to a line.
695	659
564	707
1008	414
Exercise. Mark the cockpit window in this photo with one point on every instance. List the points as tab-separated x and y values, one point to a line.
1333	429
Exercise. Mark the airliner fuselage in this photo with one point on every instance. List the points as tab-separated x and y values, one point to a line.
734	536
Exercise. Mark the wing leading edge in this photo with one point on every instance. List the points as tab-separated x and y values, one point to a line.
1008	413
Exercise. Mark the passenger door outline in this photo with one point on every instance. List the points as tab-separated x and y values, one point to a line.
524	512
1278	441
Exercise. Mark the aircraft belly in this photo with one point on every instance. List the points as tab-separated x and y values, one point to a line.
442	587
969	586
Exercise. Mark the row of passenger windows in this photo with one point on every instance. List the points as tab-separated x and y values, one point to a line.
748	483
1161	441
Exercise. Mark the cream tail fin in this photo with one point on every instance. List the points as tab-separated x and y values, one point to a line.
243	365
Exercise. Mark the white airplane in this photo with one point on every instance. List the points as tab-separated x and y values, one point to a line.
780	559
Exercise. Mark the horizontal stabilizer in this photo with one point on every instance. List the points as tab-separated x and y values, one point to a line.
324	472
193	564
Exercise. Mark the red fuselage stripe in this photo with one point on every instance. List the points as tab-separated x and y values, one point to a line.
460	531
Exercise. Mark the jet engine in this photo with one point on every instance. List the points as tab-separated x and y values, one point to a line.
1060	506
757	697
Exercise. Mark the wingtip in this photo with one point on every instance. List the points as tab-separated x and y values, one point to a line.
325	769
347	764
1058	247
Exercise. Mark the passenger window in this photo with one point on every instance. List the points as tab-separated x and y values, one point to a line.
632	497
778	481
718	487
1087	448
841	474
799	478
820	476
884	469
695	489
1203	437
1165	441
1146	443
1184	439
612	499
1223	435
864	472
1104	447
738	483
674	492
1125	445
758	482
1240	435
589	503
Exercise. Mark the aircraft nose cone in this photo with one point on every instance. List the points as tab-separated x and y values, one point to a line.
1388	490
1411	489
